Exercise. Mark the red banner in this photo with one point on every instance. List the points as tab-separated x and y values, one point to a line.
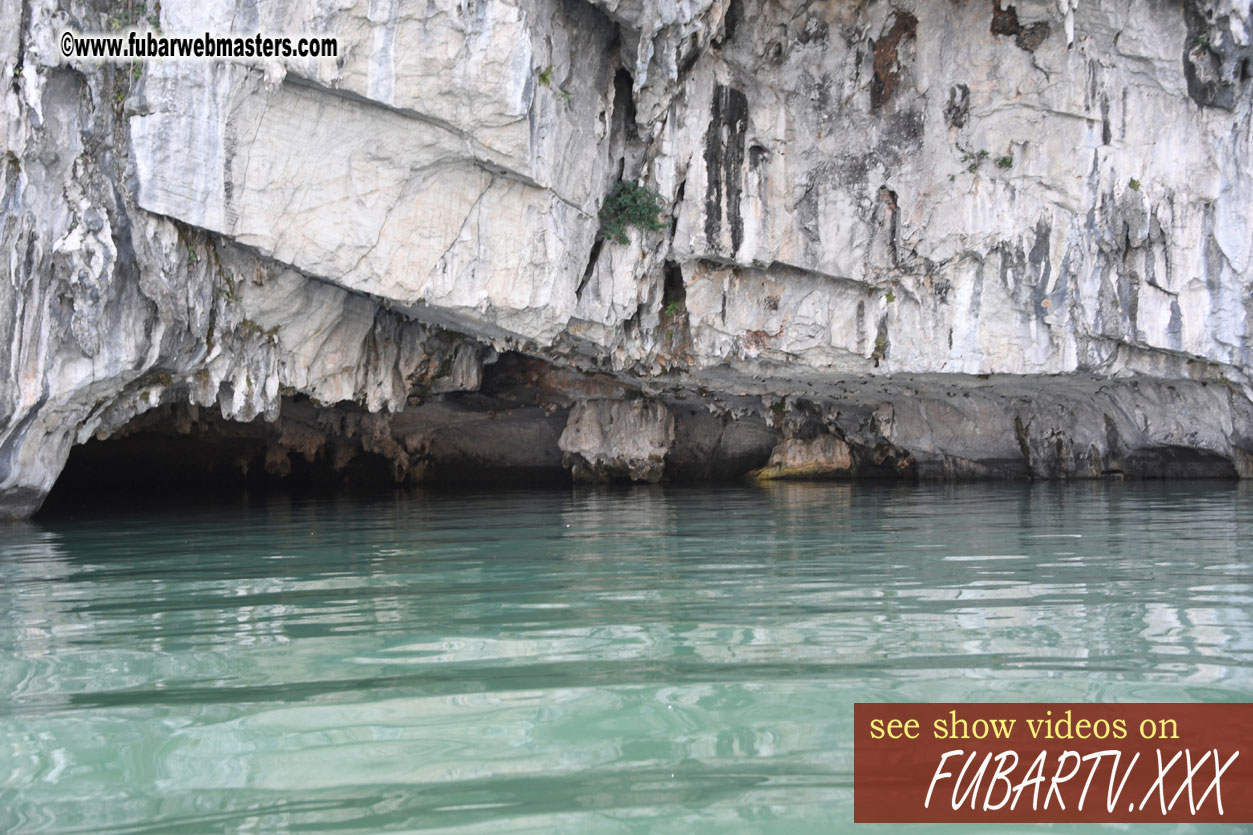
1035	763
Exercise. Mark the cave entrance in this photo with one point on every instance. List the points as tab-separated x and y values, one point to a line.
176	451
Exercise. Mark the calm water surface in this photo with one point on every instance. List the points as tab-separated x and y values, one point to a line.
645	660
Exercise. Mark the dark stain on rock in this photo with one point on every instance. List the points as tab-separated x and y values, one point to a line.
882	344
902	132
854	170
890	215
12	191
1013	266
1113	449
821	92
1174	328
886	55
23	28
1129	296
1089	87
724	164
1005	22
1038	262
1214	68
1126	108
28	263
906	128
685	60
806	208
1105	131
957	111
1020	433
731	20
9	451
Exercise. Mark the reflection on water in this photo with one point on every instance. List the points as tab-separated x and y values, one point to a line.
639	660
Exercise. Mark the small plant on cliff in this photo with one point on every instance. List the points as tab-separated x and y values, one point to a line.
971	158
1133	184
545	79
127	14
630	204
1006	161
880	351
229	289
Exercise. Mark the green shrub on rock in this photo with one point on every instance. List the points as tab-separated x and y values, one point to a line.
630	204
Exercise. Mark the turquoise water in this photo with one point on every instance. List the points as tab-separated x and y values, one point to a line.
642	660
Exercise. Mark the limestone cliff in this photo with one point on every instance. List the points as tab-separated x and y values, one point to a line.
912	239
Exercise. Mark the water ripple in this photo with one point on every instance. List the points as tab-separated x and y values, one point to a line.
633	660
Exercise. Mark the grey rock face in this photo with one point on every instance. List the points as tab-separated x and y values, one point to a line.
823	457
898	199
611	439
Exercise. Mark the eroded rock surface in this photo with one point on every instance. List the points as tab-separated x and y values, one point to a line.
617	439
825	456
973	239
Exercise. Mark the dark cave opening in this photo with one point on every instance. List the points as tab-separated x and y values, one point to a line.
504	436
624	102
163	457
673	290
